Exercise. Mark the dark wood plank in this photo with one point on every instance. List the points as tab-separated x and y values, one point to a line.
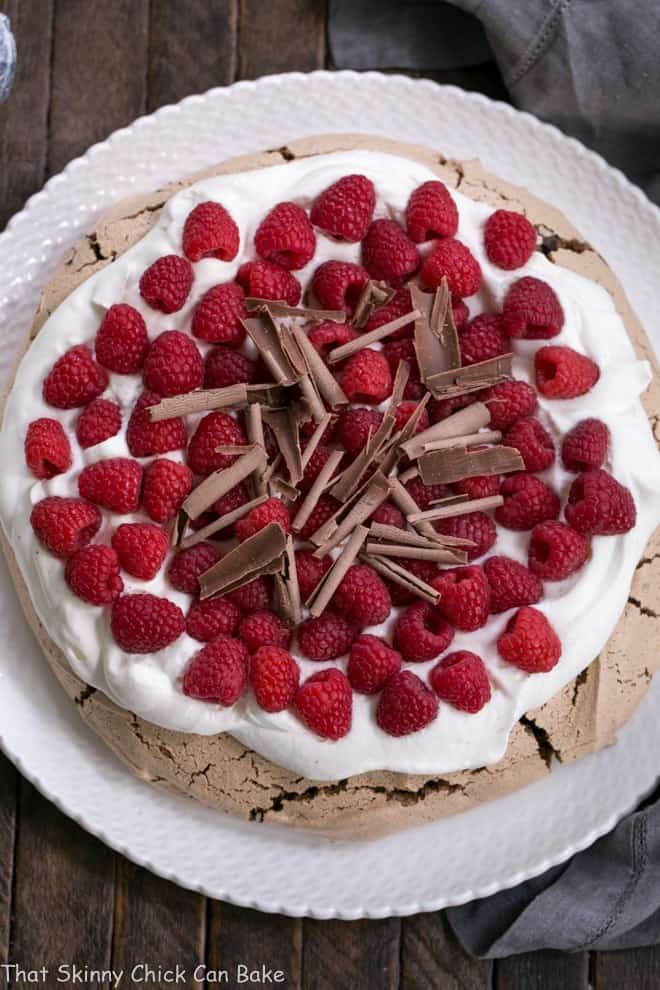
285	36
240	937
8	794
24	117
637	969
431	957
544	971
351	954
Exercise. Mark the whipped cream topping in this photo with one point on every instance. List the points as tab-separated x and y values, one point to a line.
583	609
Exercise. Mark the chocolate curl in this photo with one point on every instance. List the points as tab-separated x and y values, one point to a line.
471	378
437	554
220	482
222	522
252	304
456	463
374	295
203	400
345	350
458	508
465	422
255	432
472	440
265	334
320	483
365	503
323	378
262	553
436	339
325	589
287	590
394	572
408	506
315	439
284	423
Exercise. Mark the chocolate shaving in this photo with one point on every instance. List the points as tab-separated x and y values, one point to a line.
202	400
222	481
287	590
472	440
456	463
408	505
222	522
262	553
234	449
458	508
282	488
394	572
373	296
285	424
255	432
436	340
460	381
265	333
306	313
393	534
325	589
365	339
320	483
393	453
322	377
462	423
179	528
409	474
315	439
438	554
355	512
269	394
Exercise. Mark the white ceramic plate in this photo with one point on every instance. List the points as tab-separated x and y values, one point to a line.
263	866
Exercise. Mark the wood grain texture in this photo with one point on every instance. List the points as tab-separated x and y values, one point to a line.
630	969
286	36
431	957
351	954
238	935
544	970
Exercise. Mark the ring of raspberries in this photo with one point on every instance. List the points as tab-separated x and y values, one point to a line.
373	616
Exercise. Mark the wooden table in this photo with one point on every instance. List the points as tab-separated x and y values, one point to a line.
87	68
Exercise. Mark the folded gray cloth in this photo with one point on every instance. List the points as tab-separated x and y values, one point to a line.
7	57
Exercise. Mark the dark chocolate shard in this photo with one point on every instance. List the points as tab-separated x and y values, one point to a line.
441	467
260	554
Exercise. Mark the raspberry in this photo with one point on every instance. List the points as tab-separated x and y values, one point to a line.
165	486
285	237
211	618
461	679
452	260
218	314
114	483
64	525
431	212
366	377
556	551
122	342
264	629
210	232
74	380
531	310
423	569
251	597
326	336
388	515
460	312
145	623
345	208
403	413
439	409
187	565
533	442
92	573
47	448
562	373
404	350
507	402
511	584
325	507
585	445
399	305
271	511
406	705
355	425
145	438
314	466
371	662
141	548
98	421
527	502
224	366
529	642
480	486
325	702
264	280
388	253
464	597
213	430
362	596
475	526
327	637
233	499
339	284
166	283
509	238
173	365
310	570
274	676
423	494
598	505
308	428
421	632
482	338
218	672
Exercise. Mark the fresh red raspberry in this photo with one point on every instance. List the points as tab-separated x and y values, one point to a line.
210	232
308	428
439	409
511	584
251	597
264	629
425	570
316	463
509	238
323	510
165	486
475	526
366	377
480	486
556	551
406	705
399	305
145	438
599	505
403	413
166	283
464	597
345	208
326	336
98	421
531	310
285	237
224	366
527	502
64	525
213	430
482	338
423	494
47	448
404	350
451	259
533	442
233	499
271	511
145	623
371	662
310	570
327	637
431	212
529	642
274	676
388	515
388	253
461	679
362	596
92	573
354	426
218	314
585	445
338	285
122	341
460	312
422	633
508	401
173	365
325	703
74	380
562	373
187	566
141	548
218	672
115	483
264	280
213	617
